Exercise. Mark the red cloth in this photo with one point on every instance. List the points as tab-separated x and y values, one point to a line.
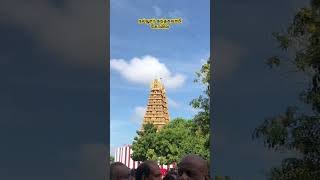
163	171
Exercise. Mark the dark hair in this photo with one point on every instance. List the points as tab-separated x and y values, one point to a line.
143	169
132	172
173	171
169	176
113	167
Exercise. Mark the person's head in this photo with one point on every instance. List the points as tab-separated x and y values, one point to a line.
119	171
193	167
132	174
170	176
148	170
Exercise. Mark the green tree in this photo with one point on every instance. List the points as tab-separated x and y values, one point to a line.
296	130
182	139
143	144
170	144
111	159
202	103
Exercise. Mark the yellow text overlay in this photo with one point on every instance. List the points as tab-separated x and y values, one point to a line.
162	23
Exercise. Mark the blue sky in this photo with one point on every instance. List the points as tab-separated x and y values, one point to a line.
53	113
175	54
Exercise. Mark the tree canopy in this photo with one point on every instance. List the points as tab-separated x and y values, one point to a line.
294	129
169	144
111	159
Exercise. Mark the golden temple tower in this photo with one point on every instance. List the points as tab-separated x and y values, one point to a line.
157	108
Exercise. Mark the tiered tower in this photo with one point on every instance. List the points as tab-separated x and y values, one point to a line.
157	108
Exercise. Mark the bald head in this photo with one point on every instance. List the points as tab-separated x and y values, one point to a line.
119	171
193	167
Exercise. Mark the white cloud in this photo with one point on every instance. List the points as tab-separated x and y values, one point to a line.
143	70
138	114
157	11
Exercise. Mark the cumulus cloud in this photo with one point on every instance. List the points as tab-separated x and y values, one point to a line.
143	70
138	114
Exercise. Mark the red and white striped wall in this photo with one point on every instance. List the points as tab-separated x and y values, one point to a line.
123	154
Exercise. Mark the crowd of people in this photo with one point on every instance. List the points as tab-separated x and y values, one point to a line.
191	167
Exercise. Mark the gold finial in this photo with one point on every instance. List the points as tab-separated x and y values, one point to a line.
156	84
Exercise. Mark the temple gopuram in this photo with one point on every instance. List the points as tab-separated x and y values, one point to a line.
157	113
157	108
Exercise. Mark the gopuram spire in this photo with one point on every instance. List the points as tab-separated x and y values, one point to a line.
157	109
